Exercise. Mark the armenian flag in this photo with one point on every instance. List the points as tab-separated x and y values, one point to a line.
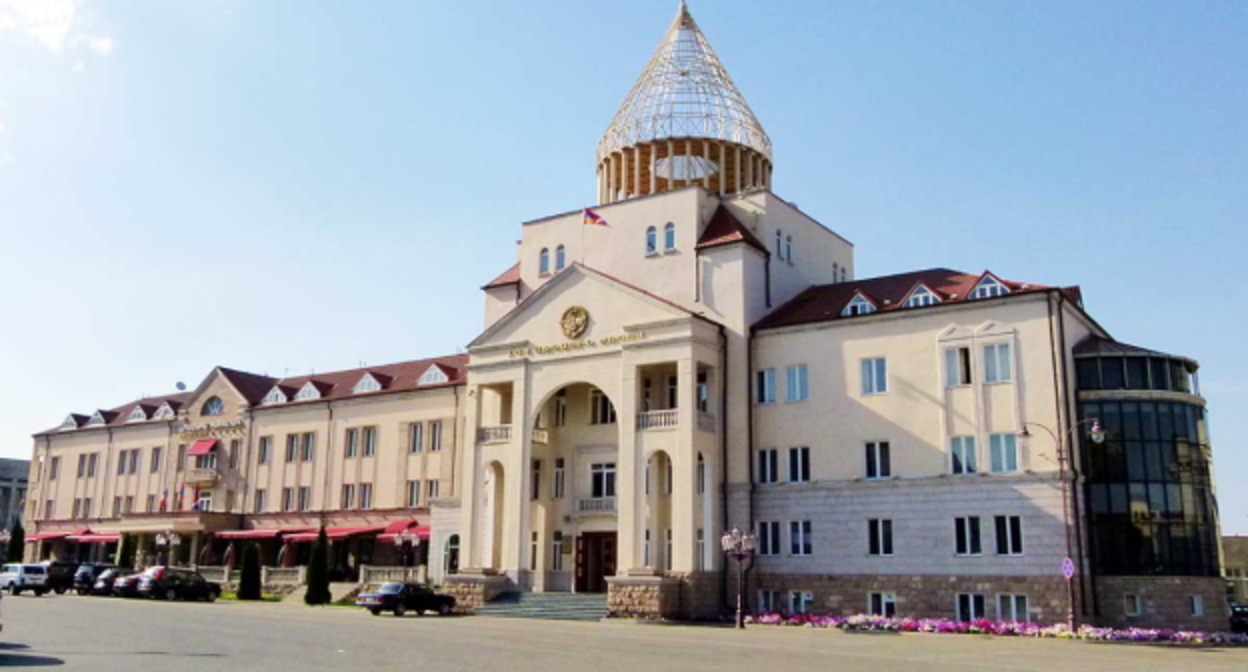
594	219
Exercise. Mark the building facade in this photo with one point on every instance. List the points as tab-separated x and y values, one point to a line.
13	483
691	354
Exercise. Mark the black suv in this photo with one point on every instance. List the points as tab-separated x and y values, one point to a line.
1239	618
84	578
401	597
177	584
60	575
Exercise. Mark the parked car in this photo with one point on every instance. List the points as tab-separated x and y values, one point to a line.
84	578
177	584
16	578
126	585
103	584
60	575
1239	618
403	597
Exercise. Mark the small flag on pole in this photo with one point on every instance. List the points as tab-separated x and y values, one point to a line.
594	219
164	500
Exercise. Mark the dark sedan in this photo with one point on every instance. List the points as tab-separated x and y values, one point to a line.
105	581
1239	618
126	585
400	598
177	584
84	578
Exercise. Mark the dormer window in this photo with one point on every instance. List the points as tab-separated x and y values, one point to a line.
432	376
136	415
367	384
69	423
859	305
920	297
560	258
275	396
214	406
164	412
989	288
543	262
96	420
307	392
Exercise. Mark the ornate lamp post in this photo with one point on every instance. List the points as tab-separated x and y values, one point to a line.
168	539
1063	456
739	546
404	543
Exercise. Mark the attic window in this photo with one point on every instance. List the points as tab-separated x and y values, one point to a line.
214	406
69	423
96	420
920	297
137	415
859	305
308	391
988	288
432	376
165	411
275	396
367	384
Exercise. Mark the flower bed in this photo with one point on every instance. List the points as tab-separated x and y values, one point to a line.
863	623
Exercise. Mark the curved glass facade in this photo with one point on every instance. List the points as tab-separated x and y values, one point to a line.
1148	495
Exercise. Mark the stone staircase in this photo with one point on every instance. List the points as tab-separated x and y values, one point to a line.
547	606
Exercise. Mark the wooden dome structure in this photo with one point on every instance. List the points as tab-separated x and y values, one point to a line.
684	122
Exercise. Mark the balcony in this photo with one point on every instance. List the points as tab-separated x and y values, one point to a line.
202	476
658	419
494	434
541	436
594	505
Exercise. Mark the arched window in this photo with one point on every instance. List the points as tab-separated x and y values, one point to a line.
560	258
669	237
543	262
214	406
788	248
779	244
652	242
450	561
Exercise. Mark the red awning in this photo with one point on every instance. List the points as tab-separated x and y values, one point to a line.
393	530
258	534
202	447
336	533
50	536
94	538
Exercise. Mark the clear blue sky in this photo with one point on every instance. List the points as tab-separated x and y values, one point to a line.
281	186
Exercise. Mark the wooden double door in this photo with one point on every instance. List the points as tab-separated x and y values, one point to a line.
595	561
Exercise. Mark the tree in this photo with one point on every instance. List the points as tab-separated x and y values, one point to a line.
318	572
249	583
17	543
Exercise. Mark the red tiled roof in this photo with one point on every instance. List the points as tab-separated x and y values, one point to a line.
825	302
398	377
726	229
253	387
510	276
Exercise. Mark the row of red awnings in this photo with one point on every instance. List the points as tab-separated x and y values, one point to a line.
83	536
386	533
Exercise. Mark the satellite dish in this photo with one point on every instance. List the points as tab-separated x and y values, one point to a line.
181	386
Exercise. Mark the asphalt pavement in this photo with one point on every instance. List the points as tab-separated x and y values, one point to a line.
91	633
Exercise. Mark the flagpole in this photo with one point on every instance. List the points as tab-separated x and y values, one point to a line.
584	252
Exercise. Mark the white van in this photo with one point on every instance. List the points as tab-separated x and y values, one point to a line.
16	578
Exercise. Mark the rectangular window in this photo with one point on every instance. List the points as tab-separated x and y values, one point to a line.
874	376
235	449
769	538
370	441
880	536
800	601
54	469
1013	608
181	457
879	460
796	384
558	484
82	466
77	508
288	499
556	552
768	600
1131	604
86	507
765	386
1009	535
309	445
415	437
117	506
366	495
601	410
966	532
699	560
768	465
1197	604
997	365
799	465
435	436
258	501
1003	450
957	367
673	392
155	463
348	496
970	607
123	460
305	498
93	461
561	409
204	503
962	449
535	481
667	549
431	490
413	493
533	552
265	447
350	445
602	480
882	604
704	393
292	447
800	542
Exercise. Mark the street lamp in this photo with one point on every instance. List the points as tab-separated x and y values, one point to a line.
168	539
1068	564
403	543
739	546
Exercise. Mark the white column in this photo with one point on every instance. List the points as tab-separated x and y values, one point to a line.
471	477
684	467
629	492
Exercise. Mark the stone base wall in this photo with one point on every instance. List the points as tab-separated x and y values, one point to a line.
1165	602
473	590
917	596
649	597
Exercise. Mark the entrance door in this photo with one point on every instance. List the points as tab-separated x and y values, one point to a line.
595	561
